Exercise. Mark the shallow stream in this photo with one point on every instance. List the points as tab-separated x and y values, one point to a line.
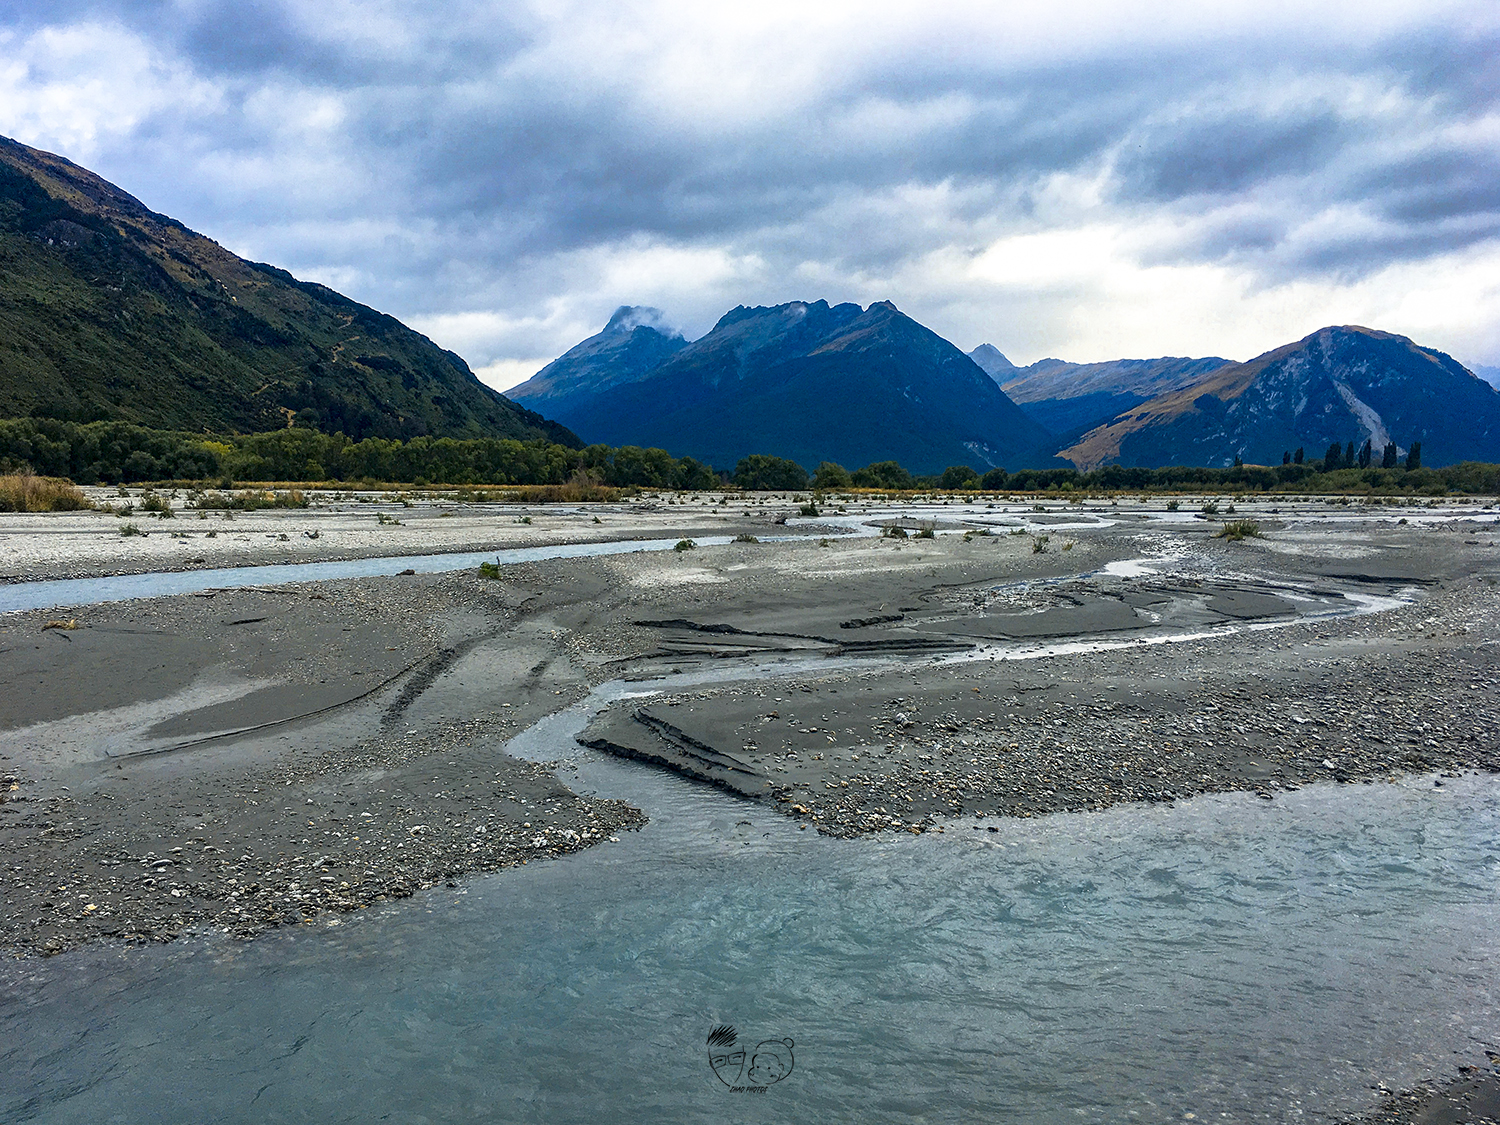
1228	958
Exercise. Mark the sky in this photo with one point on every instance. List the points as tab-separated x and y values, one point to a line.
1083	180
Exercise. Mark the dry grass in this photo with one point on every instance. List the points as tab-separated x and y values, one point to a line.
581	489
22	492
1236	530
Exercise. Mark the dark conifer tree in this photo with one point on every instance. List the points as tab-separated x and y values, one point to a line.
1286	457
1334	458
1414	458
1366	453
1388	461
1297	457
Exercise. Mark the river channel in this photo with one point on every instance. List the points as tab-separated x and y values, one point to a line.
1226	959
1230	958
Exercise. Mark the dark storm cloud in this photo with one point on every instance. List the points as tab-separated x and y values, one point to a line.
1231	154
449	130
476	146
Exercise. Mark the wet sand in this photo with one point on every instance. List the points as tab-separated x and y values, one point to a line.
241	759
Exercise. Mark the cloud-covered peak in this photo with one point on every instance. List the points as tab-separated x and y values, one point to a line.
627	318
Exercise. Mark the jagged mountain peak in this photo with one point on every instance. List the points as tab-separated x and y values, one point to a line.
805	380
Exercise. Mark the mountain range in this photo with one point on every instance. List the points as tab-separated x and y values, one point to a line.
807	381
817	382
111	311
1071	398
1338	384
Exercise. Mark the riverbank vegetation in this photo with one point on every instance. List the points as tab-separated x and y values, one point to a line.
122	453
26	492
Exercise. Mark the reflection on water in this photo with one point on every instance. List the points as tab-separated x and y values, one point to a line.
1233	958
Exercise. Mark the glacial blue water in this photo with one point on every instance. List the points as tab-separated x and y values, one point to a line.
1231	958
160	583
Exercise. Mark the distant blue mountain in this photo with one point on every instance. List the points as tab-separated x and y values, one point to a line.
807	381
1072	398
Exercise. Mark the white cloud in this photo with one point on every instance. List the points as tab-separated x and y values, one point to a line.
72	89
1086	178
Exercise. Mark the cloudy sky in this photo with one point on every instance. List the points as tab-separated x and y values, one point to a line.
1085	180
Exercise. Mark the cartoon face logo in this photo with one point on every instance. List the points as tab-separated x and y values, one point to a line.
769	1063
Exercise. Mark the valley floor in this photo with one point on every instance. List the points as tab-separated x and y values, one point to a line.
243	758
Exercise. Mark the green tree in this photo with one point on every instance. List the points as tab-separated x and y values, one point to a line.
831	475
1388	458
760	473
958	476
883	474
1334	458
1298	456
1414	458
994	480
1366	453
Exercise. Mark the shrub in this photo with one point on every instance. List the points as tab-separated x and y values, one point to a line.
489	570
1235	530
250	500
1173	505
926	533
23	492
745	537
685	545
808	510
894	532
1039	544
129	529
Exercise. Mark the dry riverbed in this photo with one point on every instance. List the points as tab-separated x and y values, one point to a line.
238	759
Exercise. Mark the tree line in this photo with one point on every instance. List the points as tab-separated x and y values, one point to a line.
124	453
1355	474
